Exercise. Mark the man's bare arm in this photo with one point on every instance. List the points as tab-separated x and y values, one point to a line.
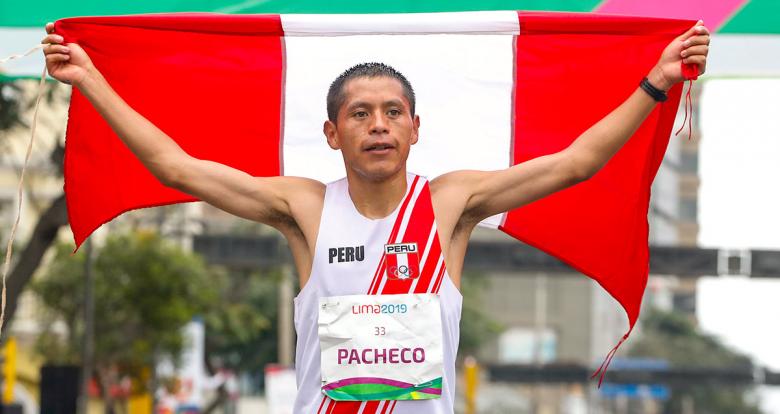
491	192
266	200
256	198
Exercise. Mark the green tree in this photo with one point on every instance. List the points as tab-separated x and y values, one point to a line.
10	106
146	289
242	330
671	336
476	325
241	333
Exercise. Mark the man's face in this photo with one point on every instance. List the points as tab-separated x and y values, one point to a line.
374	127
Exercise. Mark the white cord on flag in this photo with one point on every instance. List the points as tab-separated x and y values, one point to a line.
12	57
9	248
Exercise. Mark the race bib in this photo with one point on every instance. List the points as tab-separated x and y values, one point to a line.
381	347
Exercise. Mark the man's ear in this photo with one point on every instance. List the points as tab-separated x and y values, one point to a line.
415	129
329	129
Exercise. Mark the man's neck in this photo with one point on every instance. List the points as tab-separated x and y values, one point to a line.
377	199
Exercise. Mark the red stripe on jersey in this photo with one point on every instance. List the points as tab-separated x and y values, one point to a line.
381	267
439	279
371	407
349	407
346	407
429	267
321	404
417	231
391	260
377	277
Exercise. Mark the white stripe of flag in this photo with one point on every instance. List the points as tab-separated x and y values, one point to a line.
482	22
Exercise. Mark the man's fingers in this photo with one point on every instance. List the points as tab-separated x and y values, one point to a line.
696	60
699	61
692	31
50	27
51	49
701	30
695	50
697	40
56	57
53	38
698	30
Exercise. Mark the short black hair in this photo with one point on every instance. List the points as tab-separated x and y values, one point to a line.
364	70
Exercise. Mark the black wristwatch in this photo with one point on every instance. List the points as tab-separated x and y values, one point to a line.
655	93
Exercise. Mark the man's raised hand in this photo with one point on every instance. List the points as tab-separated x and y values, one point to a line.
66	63
691	47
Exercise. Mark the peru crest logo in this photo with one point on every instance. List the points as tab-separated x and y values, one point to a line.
403	261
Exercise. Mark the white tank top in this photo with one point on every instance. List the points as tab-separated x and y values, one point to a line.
349	259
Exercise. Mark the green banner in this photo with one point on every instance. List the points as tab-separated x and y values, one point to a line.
757	16
27	14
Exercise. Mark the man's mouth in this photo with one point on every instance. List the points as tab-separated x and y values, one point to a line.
379	148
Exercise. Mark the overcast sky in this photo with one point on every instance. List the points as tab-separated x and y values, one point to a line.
739	207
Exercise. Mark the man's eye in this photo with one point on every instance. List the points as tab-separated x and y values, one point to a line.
394	112
361	114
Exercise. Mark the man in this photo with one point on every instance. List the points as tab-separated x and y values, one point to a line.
380	253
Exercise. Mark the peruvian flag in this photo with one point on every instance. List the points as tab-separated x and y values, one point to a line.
493	89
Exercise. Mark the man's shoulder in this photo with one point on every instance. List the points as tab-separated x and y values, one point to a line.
453	181
305	187
451	192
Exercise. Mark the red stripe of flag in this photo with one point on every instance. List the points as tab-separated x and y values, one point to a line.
599	227
102	177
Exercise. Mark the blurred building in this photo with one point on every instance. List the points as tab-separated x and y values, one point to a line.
674	206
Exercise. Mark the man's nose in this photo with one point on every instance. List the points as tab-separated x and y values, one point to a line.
379	124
